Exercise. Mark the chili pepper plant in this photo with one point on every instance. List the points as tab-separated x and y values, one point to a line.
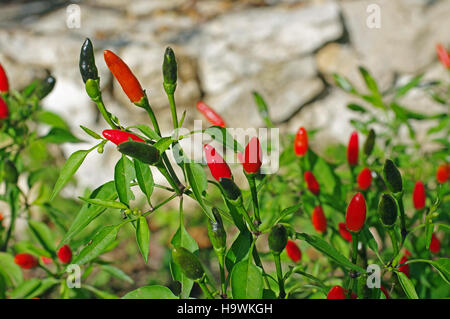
364	220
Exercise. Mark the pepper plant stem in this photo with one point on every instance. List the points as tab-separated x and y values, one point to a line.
252	182
282	294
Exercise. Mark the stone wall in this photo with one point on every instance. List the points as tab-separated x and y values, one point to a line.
285	49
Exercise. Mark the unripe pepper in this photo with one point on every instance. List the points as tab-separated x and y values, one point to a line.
443	55
188	262
218	167
216	232
4	84
364	178
118	136
353	149
45	86
230	188
392	177
387	210
301	142
337	292
435	244
356	213
169	69
293	252
443	173
319	220
129	83
141	151
214	118
26	261
419	195
65	254
278	238
88	69
369	143
252	160
344	232
311	183
4	110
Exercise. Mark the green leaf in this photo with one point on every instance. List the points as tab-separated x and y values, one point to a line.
116	272
408	86
322	246
262	108
123	175
91	132
221	135
198	182
105	203
407	286
151	292
100	293
370	82
29	248
356	108
163	144
25	288
52	119
143	237
43	235
99	243
45	285
68	170
183	239
344	84
144	177
442	265
147	131
368	238
9	270
246	281
89	212
59	136
239	249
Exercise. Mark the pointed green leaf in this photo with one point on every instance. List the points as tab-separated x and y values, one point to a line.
143	237
151	292
99	243
144	177
246	281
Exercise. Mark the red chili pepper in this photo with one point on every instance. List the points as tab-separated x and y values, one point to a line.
65	254
312	183
26	261
129	83
319	220
117	136
252	160
405	268
443	173
443	55
293	252
218	167
385	292
4	111
210	114
337	292
301	142
364	178
46	260
344	232
435	244
4	84
419	195
353	149
356	213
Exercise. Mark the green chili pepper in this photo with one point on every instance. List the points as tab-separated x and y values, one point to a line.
141	151
169	69
369	143
216	232
189	263
278	238
392	176
88	69
232	191
387	210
